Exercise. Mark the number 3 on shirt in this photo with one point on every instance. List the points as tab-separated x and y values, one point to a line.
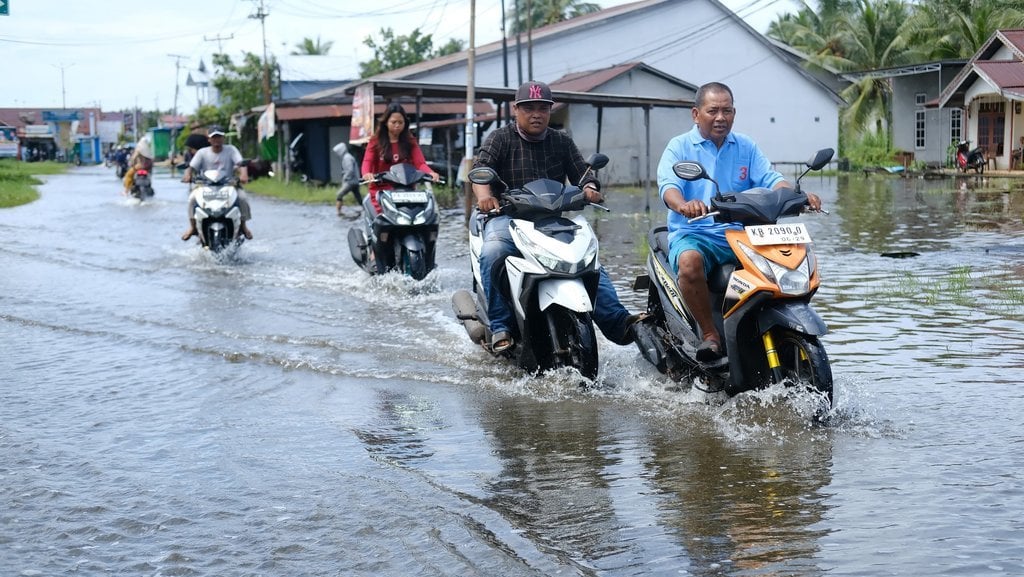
743	174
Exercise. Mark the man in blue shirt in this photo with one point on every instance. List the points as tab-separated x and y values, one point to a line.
737	164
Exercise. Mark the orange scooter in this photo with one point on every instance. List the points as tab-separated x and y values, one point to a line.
761	308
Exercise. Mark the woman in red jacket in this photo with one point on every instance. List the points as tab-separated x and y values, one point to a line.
392	143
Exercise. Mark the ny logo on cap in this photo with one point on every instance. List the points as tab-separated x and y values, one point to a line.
535	91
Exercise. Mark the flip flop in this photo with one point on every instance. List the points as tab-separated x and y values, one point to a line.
501	341
709	350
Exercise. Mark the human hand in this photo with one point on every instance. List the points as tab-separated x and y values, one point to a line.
692	209
593	195
487	204
813	202
435	177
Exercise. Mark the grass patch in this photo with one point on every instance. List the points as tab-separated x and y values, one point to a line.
18	182
956	288
315	194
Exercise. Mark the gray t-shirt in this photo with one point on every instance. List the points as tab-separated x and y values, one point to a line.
225	161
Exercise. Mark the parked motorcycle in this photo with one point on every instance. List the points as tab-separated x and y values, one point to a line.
142	185
404	235
551	287
970	158
761	307
217	214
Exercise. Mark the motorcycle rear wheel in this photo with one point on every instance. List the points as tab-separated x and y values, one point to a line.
805	362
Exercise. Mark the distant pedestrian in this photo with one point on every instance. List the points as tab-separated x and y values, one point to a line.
349	175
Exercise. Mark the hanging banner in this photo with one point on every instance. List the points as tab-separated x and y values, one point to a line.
265	126
362	115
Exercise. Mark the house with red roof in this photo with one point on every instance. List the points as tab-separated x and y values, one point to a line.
990	92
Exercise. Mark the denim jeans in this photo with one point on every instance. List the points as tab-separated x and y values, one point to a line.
609	315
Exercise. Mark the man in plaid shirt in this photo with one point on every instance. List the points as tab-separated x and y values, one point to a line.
521	152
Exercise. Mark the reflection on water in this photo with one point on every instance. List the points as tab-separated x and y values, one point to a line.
285	414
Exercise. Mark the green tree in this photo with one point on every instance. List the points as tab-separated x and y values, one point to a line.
957	29
543	12
309	47
391	52
240	85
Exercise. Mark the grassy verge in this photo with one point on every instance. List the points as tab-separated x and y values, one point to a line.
17	180
310	194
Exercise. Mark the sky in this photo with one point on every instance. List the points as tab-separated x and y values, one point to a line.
119	54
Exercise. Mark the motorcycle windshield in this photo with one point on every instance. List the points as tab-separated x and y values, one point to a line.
403	174
759	205
543	197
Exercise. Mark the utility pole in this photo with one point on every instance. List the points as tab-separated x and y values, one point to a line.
529	39
63	93
174	110
261	15
470	100
217	39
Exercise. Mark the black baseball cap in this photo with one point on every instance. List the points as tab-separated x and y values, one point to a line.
534	91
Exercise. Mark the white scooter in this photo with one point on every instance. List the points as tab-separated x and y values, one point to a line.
217	214
551	288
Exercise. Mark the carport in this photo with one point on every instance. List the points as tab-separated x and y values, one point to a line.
502	97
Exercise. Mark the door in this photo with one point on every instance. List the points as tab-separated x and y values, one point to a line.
991	124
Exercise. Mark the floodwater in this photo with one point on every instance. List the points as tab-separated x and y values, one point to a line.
283	414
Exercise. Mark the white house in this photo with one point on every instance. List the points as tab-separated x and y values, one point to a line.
990	90
788	111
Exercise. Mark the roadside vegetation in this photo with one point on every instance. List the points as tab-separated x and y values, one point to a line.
307	193
18	180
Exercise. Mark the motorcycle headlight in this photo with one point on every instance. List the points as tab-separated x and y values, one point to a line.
796	281
553	262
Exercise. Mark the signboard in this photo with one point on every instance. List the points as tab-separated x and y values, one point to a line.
8	142
60	115
362	115
5	8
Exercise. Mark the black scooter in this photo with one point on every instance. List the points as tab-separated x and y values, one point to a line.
404	235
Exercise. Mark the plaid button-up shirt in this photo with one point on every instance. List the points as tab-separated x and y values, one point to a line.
518	161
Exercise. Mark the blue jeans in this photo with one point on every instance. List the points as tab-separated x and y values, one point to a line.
609	315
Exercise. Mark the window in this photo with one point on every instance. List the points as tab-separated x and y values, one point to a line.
956	124
919	129
919	98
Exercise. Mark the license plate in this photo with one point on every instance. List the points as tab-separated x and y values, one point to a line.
789	233
409	197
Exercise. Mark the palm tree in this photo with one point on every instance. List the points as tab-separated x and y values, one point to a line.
959	28
544	12
307	46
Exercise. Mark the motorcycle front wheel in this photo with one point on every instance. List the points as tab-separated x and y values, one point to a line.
804	361
576	342
414	264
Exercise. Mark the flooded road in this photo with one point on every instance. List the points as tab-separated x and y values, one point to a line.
282	413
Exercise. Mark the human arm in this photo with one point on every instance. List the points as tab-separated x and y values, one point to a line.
420	162
489	154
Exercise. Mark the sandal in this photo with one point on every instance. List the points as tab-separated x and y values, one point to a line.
709	350
501	341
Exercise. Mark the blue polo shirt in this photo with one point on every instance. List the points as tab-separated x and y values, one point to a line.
738	166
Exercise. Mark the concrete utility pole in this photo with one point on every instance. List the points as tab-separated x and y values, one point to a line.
470	99
174	110
261	15
63	93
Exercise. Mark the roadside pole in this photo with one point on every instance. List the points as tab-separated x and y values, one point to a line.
467	187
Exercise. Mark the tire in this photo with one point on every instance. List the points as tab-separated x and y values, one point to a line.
804	361
575	335
414	264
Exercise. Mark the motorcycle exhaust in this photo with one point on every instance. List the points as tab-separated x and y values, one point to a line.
464	307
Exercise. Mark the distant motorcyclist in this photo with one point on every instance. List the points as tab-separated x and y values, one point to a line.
141	159
226	159
393	143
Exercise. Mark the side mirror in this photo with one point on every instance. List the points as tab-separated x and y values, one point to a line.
482	175
597	161
821	158
690	170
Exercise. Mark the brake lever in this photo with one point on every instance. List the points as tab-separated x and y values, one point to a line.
601	206
696	218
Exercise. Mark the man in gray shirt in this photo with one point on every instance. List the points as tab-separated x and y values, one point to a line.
227	159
